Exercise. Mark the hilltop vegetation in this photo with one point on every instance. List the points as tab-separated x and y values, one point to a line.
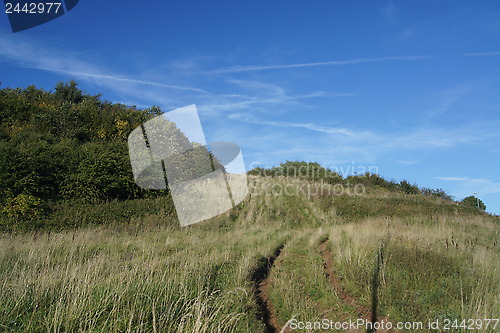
64	162
63	145
314	171
64	152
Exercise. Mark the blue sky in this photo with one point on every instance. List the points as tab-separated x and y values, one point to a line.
409	87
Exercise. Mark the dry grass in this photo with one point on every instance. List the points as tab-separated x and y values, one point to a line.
153	276
184	280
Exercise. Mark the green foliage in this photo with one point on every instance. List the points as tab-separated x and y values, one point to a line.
472	201
298	169
64	145
407	188
68	92
314	171
67	145
440	193
24	207
100	172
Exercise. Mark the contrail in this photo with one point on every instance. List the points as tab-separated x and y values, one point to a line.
119	78
315	64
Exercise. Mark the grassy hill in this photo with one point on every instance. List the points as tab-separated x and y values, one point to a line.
318	256
83	249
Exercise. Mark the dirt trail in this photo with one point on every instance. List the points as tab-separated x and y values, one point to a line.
260	279
362	311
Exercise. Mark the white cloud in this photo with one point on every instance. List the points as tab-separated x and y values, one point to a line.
322	129
448	98
316	64
466	186
102	76
245	100
260	97
32	56
482	54
455	179
141	91
389	12
371	143
407	33
407	162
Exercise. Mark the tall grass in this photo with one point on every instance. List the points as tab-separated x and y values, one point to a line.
146	274
161	280
300	289
431	270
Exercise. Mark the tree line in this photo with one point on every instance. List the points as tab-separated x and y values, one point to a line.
65	145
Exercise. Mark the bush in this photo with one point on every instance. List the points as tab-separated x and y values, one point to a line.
475	202
24	207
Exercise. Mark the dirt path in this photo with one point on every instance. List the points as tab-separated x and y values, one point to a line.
362	311
260	279
266	311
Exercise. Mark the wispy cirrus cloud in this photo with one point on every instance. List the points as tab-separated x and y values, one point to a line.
342	143
244	100
317	64
389	12
467	186
406	162
252	93
407	33
322	129
456	179
448	98
482	54
378	143
404	35
255	97
30	55
104	76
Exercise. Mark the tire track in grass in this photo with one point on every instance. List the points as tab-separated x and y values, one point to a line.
362	311
260	279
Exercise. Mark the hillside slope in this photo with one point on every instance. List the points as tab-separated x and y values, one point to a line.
278	256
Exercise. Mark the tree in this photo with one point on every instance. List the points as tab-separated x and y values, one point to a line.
436	193
406	187
475	202
68	92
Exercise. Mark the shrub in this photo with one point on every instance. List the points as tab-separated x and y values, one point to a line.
475	202
25	207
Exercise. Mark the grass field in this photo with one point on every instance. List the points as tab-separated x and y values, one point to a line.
426	258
